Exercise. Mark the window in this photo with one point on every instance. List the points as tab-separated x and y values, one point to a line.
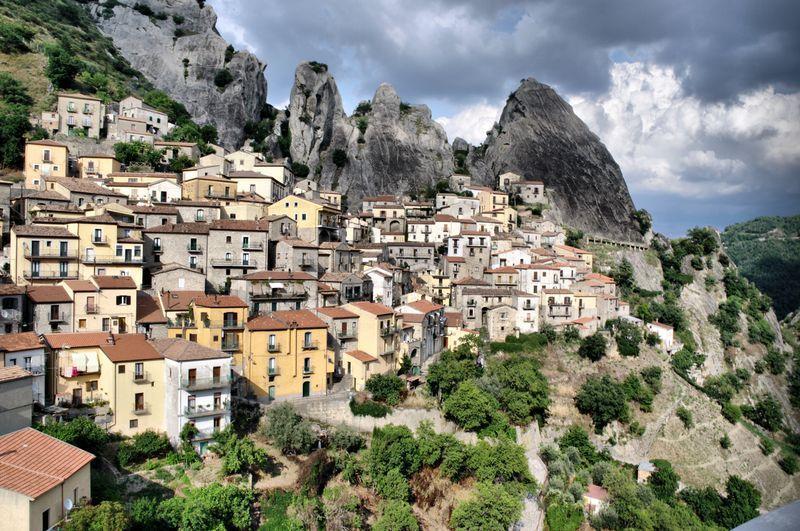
123	300
91	385
307	339
217	423
121	369
106	324
134	423
228	239
191	402
118	250
45	519
200	215
81	323
138	370
138	401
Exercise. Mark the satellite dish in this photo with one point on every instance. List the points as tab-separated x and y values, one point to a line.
68	504
4	313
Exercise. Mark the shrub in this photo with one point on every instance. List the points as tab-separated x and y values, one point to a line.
137	153
766	413
369	408
664	481
396	516
684	360
593	347
644	220
107	515
652	377
725	442
229	52
144	512
571	334
502	462
731	412
636	429
178	20
603	399
564	516
344	438
393	447
143	446
241	456
788	464
766	445
289	431
363	107
339	157
14	37
491	507
223	78
775	362
574	237
81	432
455	456
386	388
300	170
213	507
519	387
629	337
393	485
62	66
697	263
686	417
576	437
470	407
760	331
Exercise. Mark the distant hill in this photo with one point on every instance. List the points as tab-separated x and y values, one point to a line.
767	251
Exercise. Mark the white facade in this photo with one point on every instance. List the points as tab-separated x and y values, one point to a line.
664	333
527	306
511	258
164	191
32	361
382	285
535	278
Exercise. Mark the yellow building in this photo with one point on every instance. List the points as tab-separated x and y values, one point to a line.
39	474
43	254
286	355
208	187
378	334
359	366
213	321
123	372
103	303
44	158
97	166
584	304
317	220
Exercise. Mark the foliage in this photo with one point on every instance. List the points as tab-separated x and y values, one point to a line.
574	237
393	485
289	431
62	66
13	92
176	112
628	337
213	507
525	343
652	377
14	37
229	52
766	445
470	407
339	157
521	390
386	388
369	408
789	464
727	319
739	505
637	391
731	412
766	413
393	447
622	274
318	67
81	432
364	107
453	367
683	361
144	512
396	516
15	105
143	446
240	455
502	462
644	220
491	508
593	347
178	164
344	438
137	153
685	416
603	399
775	361
223	78
107	515
723	387
564	517
664	481
725	442
576	437
300	170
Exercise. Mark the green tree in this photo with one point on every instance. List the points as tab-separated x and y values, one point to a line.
386	388
393	447
213	507
14	37
393	485
143	512
574	237
629	337
242	455
223	78
741	503
13	126
522	391
492	508
62	66
81	432
686	417
603	399
12	91
300	170
137	153
470	407
339	157
623	275
289	431
664	481
502	462
396	516
178	164
766	413
644	220
107	515
564	516
593	347
576	437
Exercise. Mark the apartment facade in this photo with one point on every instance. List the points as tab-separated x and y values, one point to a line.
44	159
80	115
24	350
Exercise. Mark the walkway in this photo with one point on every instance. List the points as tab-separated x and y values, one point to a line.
532	513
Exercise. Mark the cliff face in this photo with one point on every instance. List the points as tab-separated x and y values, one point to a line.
541	138
392	147
178	48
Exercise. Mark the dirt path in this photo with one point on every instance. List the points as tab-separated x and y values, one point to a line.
532	518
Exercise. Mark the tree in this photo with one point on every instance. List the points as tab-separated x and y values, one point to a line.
686	417
491	508
766	413
396	516
289	431
393	485
137	153
664	481
502	462
178	164
629	337
788	464
213	507
521	389
470	407
593	347
229	51
107	515
576	437
741	503
339	157
623	275
393	447
603	399
13	126
223	78
12	91
14	37
81	432
386	388
644	219
62	66
300	170
241	456
574	237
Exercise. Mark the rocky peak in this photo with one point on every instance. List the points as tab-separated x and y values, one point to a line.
540	137
179	50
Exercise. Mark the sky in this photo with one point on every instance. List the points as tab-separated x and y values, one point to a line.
698	101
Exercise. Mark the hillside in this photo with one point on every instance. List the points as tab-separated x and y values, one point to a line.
767	251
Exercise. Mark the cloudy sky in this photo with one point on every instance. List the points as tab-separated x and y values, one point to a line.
698	101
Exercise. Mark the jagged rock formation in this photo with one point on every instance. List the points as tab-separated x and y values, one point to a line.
391	147
540	137
179	50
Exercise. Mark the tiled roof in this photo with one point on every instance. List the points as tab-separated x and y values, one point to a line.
240	224
82	186
130	347
49	195
469	281
80	286
182	350
180	228
220	301
32	463
442	218
557	292
77	339
286	319
297	242
337	312
148	311
172	266
361	356
415	318
597	492
338	276
157	174
44	231
179	300
43	294
425	306
153	209
372	307
114	282
13	372
277	275
454	319
11	289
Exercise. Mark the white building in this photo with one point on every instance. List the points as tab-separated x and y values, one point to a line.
25	350
664	332
198	389
527	305
382	284
513	258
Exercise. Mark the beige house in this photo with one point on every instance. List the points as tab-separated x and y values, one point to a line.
43	254
97	166
156	121
40	477
80	115
379	330
174	150
267	186
44	159
103	303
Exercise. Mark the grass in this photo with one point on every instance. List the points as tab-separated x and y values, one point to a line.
273	511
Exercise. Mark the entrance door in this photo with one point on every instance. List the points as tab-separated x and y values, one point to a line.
77	397
35	248
63	248
128	255
306	388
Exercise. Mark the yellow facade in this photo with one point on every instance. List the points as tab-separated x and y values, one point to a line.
359	369
101	253
378	334
309	215
208	188
244	210
216	327
97	166
95	311
44	158
43	258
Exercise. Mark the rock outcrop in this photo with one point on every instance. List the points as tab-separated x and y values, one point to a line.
540	137
179	50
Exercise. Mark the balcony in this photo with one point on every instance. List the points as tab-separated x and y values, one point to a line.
194	248
308	369
389	330
36	370
180	323
198	384
266	293
273	371
225	325
559	310
100	240
217	195
472	302
90	308
45	254
11	315
275	347
157	249
141	377
141	409
103	260
51	275
311	345
234	262
345	334
230	344
205	411
306	262
58	317
252	246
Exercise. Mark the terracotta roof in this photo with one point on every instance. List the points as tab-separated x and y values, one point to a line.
277	275
505	269
425	306
220	301
153	209
441	218
80	286
338	276
474	233
661	325
455	259
490	292
337	312
415	318
105	219
82	186
325	288
130	239
49	195
45	231
379	198
601	278
130	347
96	156
469	281
32	463
13	372
342	246
297	242
361	356
77	339
597	492
11	289
114	282
240	224
46	142
172	266
286	319
179	144
179	300
148	311
43	294
182	350
454	319
249	175
372	307
180	228
70	208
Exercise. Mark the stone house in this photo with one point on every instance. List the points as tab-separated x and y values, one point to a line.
25	350
97	166
351	286
80	115
236	247
556	306
178	243
270	291
294	254
475	247
82	192
147	216
12	305
418	256
155	121
16	395
177	277
338	257
49	309
197	211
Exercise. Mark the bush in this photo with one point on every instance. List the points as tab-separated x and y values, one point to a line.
766	413
386	388
697	263
603	399
144	512
731	412
212	507
576	437
686	417
725	442
300	170
137	153
664	481
502	462
564	517
143	446
766	445
62	66
339	157
107	515
684	360
289	431
14	37
593	347
644	220
775	362
229	52
652	377
492	507
396	516
393	486
81	432
629	337
369	408
470	407
393	447
223	78
519	387
347	439
241	456
788	464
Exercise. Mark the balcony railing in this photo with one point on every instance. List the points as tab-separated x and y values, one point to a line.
197	384
91	308
311	345
234	262
142	409
306	262
345	334
112	260
58	317
308	369
273	371
229	344
69	274
226	325
278	294
389	330
203	411
274	347
70	254
194	248
252	246
141	377
100	240
36	370
11	315
180	323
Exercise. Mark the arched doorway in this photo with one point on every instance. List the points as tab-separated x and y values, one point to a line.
306	388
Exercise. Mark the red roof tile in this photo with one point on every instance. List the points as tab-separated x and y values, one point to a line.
220	301
13	372
114	282
77	339
44	294
372	307
17	342
361	356
286	319
337	312
130	347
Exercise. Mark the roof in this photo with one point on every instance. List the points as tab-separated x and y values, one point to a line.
469	281
179	300
504	269
114	282
337	312
183	350
130	347
783	518
46	142
297	242
44	231
277	275
220	301
339	276
80	286
49	195
283	320
32	463
172	266
148	311
240	224
412	317
11	289
82	186
454	319
557	291
597	492
661	325
43	294
361	356
153	209
169	143
180	228
13	372
647	466
425	306
372	307
77	339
